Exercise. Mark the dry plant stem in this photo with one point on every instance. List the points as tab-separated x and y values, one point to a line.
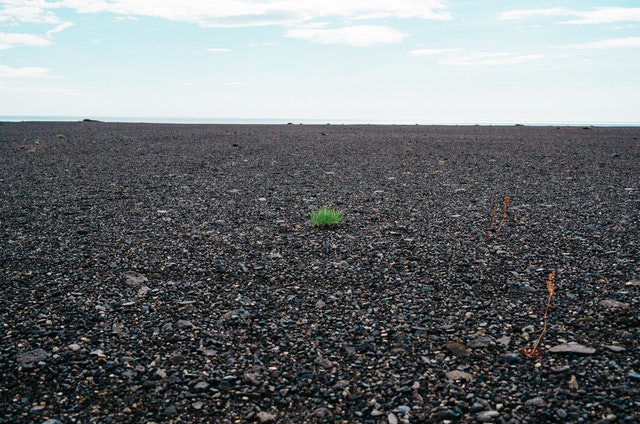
534	351
505	205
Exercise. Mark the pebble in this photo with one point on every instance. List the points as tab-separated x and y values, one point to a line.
457	375
457	349
634	376
32	356
486	416
572	348
265	417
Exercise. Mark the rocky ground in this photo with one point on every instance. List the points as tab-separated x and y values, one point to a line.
171	273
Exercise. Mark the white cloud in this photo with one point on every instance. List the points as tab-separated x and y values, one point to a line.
10	40
59	28
34	11
611	43
431	52
25	72
357	36
232	13
600	15
489	59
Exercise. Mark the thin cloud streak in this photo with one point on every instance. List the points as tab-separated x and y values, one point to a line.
432	52
10	40
600	15
610	44
490	59
24	72
233	13
355	36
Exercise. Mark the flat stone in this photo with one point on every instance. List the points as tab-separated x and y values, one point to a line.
573	348
265	417
457	375
31	356
613	304
457	349
486	416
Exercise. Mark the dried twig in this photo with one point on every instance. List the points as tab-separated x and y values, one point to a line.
534	352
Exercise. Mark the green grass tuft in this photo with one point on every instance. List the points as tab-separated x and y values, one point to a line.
325	217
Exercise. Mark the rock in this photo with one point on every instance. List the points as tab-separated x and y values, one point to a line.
170	411
486	416
572	348
322	413
482	341
536	402
197	405
457	349
457	375
573	383
613	304
265	417
512	358
201	386
615	348
392	419
132	278
184	324
32	356
634	376
320	304
52	421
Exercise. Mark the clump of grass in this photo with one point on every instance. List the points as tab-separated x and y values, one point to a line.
326	217
534	352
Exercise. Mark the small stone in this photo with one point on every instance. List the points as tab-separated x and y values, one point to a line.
613	304
265	417
32	356
572	348
320	304
170	411
457	375
634	376
185	324
482	341
197	405
537	402
133	278
486	416
615	348
392	419
74	347
512	358
52	421
322	413
201	386
561	413
573	383
457	349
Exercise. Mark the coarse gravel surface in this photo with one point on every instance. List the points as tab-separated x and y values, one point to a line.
171	273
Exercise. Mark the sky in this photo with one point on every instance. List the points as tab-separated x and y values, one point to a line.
376	61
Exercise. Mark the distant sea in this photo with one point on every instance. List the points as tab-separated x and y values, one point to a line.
283	121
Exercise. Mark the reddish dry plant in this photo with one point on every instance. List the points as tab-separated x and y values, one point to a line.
494	216
534	352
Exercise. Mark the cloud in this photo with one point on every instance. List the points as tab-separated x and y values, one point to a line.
431	52
32	11
26	72
356	36
231	13
489	59
59	28
611	43
599	15
10	40
218	49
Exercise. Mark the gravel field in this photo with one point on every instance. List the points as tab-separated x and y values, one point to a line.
171	273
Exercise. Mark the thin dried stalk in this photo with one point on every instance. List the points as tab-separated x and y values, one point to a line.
534	352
